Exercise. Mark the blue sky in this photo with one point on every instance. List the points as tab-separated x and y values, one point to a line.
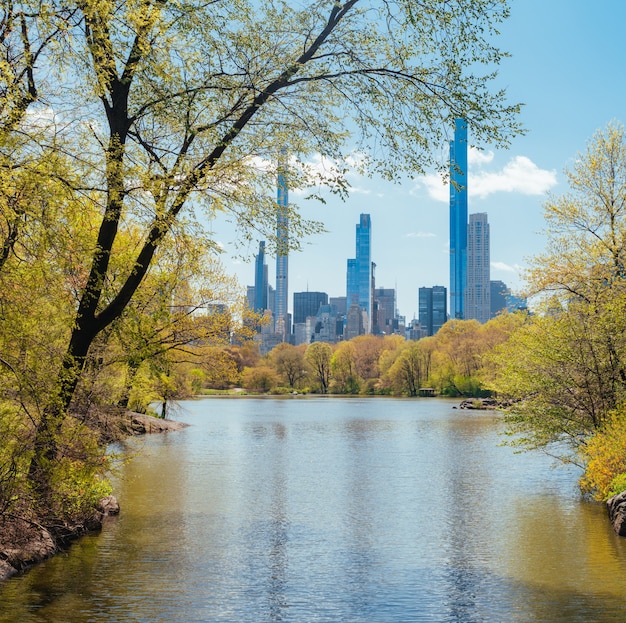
567	67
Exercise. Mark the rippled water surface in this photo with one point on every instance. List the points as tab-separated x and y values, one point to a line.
335	510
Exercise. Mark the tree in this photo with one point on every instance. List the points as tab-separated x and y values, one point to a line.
366	350
605	459
458	357
182	100
318	356
343	369
290	363
567	367
261	378
411	367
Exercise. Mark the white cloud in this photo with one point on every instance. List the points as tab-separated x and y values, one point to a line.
420	234
359	191
437	188
519	175
478	157
505	267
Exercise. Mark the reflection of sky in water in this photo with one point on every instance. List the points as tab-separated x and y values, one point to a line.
336	510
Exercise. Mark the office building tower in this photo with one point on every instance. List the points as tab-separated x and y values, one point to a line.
433	308
385	322
250	295
339	303
440	307
354	322
307	304
324	328
360	274
478	286
282	236
458	219
260	281
498	293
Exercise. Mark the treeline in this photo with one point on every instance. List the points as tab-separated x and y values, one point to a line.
454	362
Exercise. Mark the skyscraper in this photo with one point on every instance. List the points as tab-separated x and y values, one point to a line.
478	287
385	320
282	235
360	274
458	219
306	304
433	308
499	291
260	281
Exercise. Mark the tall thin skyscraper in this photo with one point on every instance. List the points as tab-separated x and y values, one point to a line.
458	219
260	281
478	288
360	274
282	235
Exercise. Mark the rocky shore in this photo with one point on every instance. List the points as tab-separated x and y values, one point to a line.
24	542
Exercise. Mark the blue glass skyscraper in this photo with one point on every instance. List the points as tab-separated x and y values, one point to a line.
260	281
282	235
359	274
458	219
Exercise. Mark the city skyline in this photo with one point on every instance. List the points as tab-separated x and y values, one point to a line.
411	219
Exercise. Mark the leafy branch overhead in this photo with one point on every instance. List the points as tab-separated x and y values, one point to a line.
140	118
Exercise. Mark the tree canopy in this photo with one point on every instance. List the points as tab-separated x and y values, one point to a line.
123	119
567	366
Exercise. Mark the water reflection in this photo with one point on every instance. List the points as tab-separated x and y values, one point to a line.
335	510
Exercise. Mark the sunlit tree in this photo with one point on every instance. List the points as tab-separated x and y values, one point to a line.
318	356
567	366
290	363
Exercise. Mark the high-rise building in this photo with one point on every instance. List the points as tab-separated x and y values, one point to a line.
307	304
339	303
354	322
385	321
458	218
325	325
499	291
478	286
282	236
359	282
433	308
260	281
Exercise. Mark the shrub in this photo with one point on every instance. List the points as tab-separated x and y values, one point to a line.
604	454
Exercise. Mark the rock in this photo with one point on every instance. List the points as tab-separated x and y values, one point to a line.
109	506
22	544
617	513
141	424
6	570
479	404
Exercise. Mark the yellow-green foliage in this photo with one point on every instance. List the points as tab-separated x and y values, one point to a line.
605	456
13	458
78	475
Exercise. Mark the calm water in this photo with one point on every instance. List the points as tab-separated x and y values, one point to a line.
335	510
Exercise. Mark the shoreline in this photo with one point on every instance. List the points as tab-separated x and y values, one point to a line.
24	542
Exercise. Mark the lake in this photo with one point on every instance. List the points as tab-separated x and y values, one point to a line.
351	510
